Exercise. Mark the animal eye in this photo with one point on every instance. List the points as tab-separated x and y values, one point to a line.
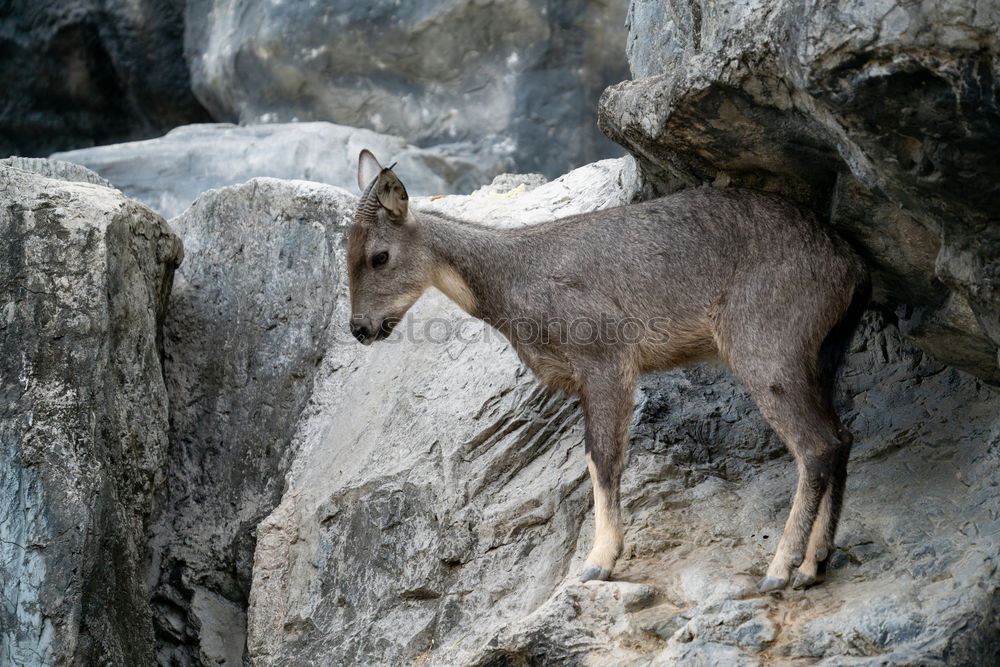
380	258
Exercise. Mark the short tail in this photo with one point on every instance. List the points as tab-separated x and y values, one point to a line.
836	343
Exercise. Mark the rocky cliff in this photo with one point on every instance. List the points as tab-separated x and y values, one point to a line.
85	275
199	465
249	314
423	500
884	115
514	78
84	72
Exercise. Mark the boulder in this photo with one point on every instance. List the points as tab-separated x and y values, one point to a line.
343	449
512	200
437	505
168	173
883	115
84	278
85	72
258	307
706	491
249	318
519	78
57	169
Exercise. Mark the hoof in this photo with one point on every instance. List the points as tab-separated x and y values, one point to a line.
801	581
594	572
768	584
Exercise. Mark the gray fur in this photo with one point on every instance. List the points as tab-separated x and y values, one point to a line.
745	277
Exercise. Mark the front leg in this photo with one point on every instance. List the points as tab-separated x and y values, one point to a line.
607	405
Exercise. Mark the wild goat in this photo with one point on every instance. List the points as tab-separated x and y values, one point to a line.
741	276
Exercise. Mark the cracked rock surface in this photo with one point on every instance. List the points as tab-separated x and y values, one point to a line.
438	509
885	115
168	173
84	278
518	78
249	313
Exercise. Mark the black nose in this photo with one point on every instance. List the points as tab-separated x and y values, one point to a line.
361	331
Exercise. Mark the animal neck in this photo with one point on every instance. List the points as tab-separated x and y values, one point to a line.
472	264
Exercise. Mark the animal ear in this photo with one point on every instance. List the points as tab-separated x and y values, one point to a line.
368	169
392	195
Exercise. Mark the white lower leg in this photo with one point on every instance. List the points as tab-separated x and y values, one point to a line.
608	538
818	548
788	554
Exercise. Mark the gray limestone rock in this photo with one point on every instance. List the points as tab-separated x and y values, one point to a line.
57	169
437	509
248	320
169	172
884	115
85	72
512	200
519	78
84	279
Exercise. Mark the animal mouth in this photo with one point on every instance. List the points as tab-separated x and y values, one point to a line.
384	329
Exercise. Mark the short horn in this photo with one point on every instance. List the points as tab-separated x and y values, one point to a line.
367	209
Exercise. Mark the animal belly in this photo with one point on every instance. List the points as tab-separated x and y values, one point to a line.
675	351
550	368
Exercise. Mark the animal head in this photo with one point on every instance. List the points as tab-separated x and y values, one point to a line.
387	268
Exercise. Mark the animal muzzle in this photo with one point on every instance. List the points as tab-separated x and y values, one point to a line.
367	332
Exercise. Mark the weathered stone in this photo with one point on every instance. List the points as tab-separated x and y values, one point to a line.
884	114
262	274
519	78
84	72
437	510
84	278
423	501
168	173
57	169
512	200
249	318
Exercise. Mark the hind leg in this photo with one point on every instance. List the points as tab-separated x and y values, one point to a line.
809	491
821	539
791	404
774	329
